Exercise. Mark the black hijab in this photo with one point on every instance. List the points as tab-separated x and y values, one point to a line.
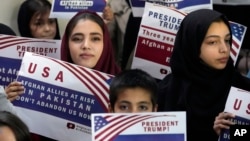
188	70
193	86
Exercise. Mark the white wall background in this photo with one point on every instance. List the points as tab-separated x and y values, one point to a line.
8	15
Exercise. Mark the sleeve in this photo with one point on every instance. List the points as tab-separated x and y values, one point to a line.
5	104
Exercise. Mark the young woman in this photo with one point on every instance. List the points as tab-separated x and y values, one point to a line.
34	22
86	42
202	72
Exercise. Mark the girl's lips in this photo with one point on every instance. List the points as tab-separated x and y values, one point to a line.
47	37
86	55
223	60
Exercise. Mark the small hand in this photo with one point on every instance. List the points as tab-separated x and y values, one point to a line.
14	89
108	13
222	122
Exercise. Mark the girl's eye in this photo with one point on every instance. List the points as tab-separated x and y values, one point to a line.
212	42
143	108
38	23
123	107
52	21
96	39
227	41
76	39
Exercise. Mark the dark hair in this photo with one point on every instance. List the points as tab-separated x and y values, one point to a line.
132	78
4	29
26	12
18	127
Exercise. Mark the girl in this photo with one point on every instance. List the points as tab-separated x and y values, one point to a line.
34	22
202	72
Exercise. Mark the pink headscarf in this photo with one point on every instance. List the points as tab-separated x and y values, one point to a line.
106	63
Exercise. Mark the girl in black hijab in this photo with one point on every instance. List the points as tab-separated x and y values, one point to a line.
202	72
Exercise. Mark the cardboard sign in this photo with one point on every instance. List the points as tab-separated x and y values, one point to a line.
183	5
155	126
238	103
66	9
12	49
60	97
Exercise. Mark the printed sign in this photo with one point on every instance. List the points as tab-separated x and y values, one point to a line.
158	126
182	5
238	31
238	103
12	49
155	41
156	38
68	8
60	97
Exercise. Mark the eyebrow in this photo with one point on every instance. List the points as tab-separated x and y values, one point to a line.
76	34
144	102
228	35
217	36
95	33
141	102
79	33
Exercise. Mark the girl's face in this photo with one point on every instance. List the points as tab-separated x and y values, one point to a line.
86	43
133	100
42	27
215	48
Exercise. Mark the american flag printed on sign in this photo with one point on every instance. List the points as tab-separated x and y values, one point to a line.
66	97
238	31
134	126
9	41
95	81
108	127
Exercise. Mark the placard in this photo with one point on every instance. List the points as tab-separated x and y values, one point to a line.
155	126
60	97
